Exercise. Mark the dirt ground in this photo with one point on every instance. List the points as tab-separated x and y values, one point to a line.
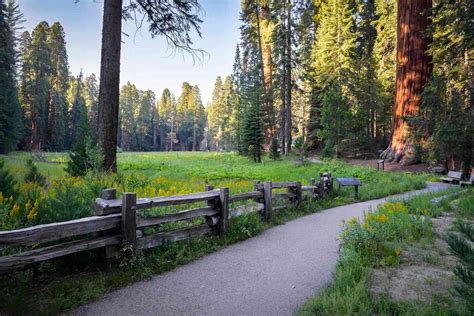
425	272
392	167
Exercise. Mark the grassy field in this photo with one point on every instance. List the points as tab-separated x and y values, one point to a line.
189	171
60	285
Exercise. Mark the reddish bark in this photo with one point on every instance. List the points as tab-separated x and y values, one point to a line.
413	71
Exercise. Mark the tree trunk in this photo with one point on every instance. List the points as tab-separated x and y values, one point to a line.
413	71
265	46
266	50
109	88
468	139
289	85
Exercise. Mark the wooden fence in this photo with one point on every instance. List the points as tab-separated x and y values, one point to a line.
118	224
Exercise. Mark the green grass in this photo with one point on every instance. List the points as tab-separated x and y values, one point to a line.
189	169
53	288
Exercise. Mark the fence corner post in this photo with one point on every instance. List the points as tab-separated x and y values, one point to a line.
129	219
267	200
224	204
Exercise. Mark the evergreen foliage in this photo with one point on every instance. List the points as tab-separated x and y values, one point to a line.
7	181
10	115
461	247
85	157
274	152
34	175
253	133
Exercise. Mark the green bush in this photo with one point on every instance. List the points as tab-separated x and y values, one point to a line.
7	182
466	205
461	246
85	157
34	175
65	201
274	153
376	236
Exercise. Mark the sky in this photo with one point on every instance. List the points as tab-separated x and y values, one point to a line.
148	63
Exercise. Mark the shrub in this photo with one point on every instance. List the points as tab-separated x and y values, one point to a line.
85	157
34	175
7	182
461	247
274	153
302	149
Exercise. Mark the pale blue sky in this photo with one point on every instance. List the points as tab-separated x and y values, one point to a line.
146	62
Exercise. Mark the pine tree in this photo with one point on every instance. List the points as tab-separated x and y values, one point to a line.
25	87
216	114
198	117
59	84
40	71
274	150
461	246
238	106
91	96
10	115
145	124
385	58
15	19
129	103
33	174
79	125
333	63
167	114
253	133
7	181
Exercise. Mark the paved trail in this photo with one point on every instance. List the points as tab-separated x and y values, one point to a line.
271	274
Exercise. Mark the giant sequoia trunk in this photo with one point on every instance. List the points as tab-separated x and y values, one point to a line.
109	88
413	71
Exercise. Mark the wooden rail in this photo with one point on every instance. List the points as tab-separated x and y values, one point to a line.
117	222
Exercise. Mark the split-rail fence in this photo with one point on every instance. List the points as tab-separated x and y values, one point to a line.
119	225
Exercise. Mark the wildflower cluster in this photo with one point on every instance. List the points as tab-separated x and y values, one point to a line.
375	237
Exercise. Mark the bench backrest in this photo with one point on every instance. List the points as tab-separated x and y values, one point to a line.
454	174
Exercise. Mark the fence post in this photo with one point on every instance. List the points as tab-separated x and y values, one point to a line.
109	194
255	187
321	185
224	204
299	193
111	252
209	188
129	219
267	200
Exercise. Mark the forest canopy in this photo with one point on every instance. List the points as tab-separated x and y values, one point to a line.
322	73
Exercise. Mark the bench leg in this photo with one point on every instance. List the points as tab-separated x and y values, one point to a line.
338	189
356	191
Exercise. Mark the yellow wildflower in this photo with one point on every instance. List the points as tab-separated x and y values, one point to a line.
15	210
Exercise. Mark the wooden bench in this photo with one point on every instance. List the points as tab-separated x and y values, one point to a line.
348	182
453	177
467	183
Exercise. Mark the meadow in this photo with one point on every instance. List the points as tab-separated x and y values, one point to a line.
63	197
